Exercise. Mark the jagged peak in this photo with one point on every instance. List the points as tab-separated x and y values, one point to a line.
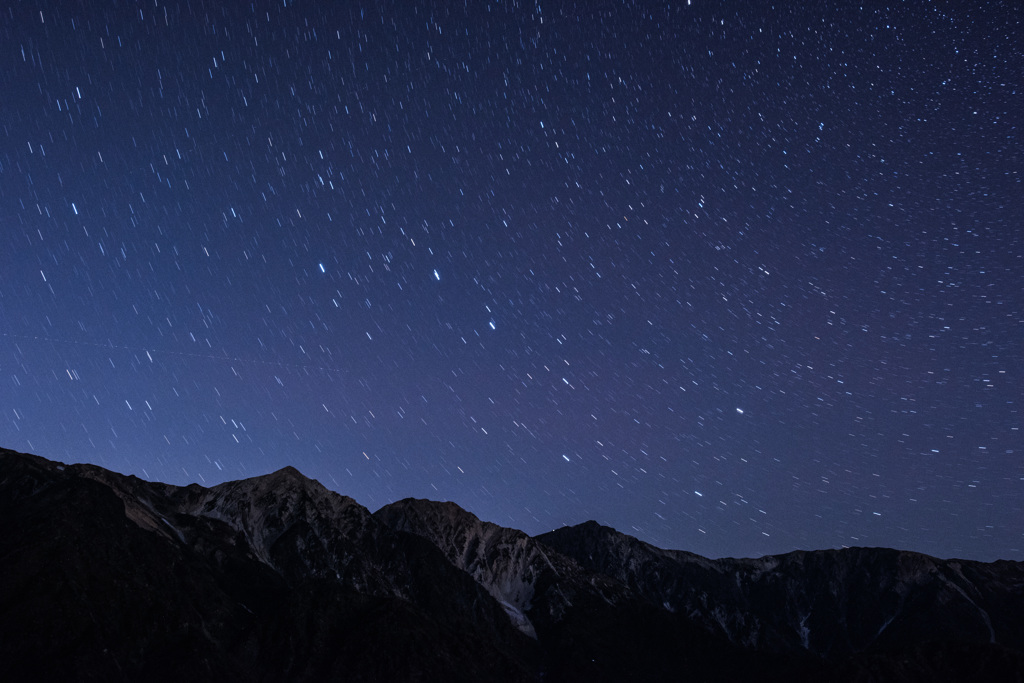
591	526
591	537
592	529
433	509
286	482
443	521
287	473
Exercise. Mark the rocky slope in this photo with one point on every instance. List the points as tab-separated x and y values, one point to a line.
832	604
108	577
524	576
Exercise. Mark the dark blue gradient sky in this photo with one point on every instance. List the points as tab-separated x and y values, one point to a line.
736	281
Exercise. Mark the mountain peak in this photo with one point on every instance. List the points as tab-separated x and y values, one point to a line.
430	509
290	471
285	474
285	483
289	474
281	554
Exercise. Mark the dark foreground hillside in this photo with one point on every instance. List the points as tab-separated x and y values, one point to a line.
110	578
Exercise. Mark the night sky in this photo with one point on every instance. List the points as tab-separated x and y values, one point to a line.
734	281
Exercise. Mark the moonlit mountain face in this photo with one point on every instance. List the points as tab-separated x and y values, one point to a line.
735	280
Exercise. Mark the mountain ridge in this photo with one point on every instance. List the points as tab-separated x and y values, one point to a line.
277	577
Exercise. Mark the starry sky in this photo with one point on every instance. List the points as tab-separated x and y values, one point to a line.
732	278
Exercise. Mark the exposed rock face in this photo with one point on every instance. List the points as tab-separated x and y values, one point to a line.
523	575
829	603
108	577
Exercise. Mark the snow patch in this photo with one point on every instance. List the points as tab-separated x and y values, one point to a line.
181	536
519	620
885	625
983	613
805	632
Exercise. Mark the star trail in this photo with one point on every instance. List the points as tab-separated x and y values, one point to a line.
734	280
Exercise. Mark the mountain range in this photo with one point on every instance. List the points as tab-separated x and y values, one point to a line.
107	577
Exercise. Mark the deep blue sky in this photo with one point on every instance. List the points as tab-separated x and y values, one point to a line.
736	281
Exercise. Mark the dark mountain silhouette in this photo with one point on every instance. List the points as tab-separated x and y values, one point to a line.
111	578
